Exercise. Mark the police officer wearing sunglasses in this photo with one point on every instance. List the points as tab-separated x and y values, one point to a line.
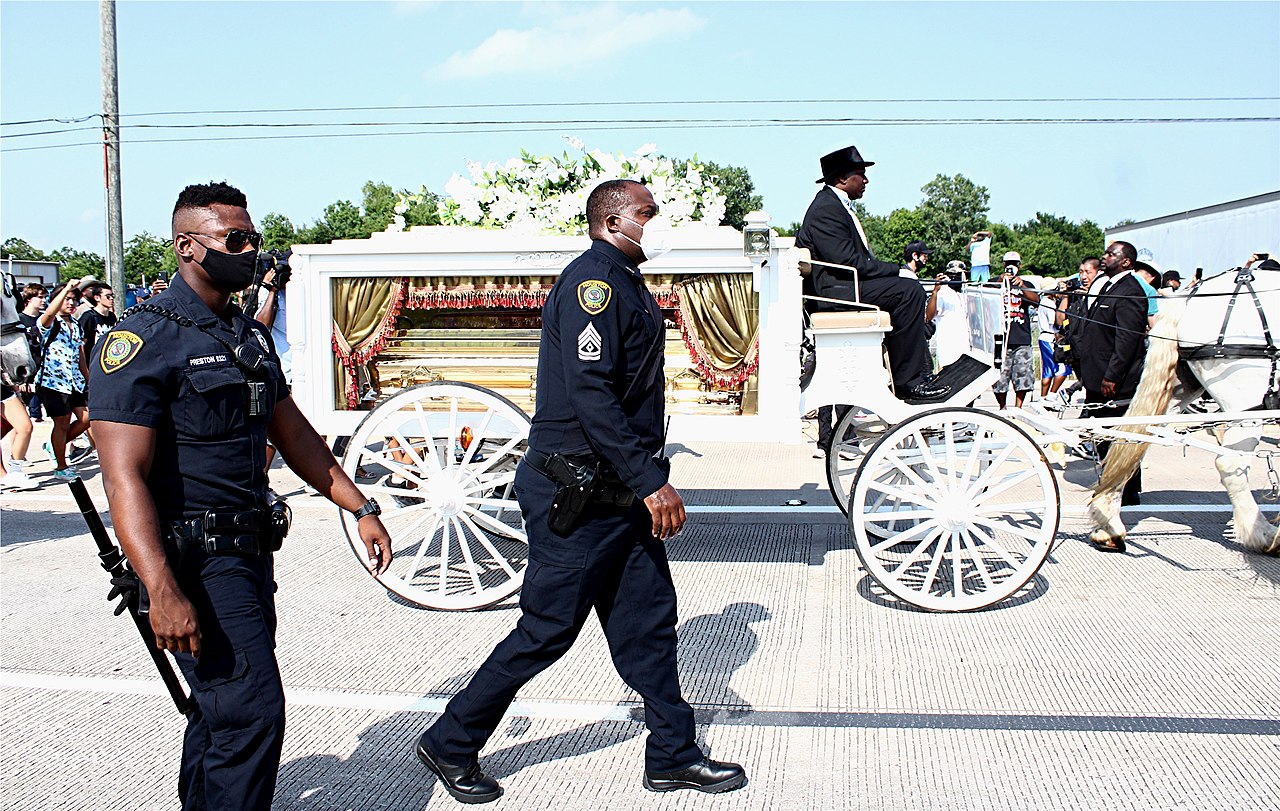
185	392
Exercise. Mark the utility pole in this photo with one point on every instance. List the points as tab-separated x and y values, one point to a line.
111	151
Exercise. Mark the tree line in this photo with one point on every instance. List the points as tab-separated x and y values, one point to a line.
950	209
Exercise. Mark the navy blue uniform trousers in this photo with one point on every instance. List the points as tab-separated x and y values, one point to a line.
231	751
612	563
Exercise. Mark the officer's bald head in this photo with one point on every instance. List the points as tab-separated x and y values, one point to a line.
195	201
610	197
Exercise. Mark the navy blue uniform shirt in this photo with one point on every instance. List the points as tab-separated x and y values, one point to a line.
601	330
150	371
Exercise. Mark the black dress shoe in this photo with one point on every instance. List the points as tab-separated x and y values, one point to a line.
927	391
467	784
707	775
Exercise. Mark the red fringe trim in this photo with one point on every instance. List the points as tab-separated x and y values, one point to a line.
372	345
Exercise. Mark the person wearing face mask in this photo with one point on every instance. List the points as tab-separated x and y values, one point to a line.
184	393
946	310
599	410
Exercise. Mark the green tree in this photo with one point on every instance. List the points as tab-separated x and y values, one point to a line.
77	264
379	207
278	232
144	256
900	227
953	208
423	207
19	248
739	192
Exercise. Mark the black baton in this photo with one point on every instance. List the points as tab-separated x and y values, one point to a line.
113	560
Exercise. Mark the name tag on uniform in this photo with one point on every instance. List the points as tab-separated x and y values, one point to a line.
208	360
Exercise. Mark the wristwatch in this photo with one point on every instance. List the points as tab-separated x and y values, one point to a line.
370	507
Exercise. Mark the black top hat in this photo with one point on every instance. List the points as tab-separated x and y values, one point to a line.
840	163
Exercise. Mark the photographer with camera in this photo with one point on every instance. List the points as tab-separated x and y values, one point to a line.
273	267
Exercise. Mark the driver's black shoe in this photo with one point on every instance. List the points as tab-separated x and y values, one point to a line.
707	775
467	784
927	391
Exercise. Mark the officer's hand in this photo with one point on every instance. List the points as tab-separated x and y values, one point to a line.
1108	389
376	542
173	619
667	509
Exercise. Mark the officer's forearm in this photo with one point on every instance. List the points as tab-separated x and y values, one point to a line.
307	455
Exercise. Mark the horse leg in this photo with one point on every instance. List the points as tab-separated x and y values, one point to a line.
1253	531
1124	459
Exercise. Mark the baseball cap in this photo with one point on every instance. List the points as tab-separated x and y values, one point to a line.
1013	256
917	246
955	266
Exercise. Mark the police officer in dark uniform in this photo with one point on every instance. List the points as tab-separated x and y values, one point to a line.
186	391
597	508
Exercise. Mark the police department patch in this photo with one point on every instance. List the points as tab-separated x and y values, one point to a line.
120	348
589	343
594	295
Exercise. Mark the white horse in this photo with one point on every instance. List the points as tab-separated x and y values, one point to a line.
1221	311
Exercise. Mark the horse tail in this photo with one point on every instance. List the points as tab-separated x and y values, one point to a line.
1152	398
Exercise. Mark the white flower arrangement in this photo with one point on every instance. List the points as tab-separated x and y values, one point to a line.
549	194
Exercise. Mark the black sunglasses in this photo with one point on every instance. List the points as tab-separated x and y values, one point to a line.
235	240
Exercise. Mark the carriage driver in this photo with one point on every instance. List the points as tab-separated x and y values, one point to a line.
185	391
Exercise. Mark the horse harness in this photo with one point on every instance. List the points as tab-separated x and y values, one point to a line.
1221	349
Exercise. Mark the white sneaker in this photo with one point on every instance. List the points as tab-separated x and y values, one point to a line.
819	453
17	479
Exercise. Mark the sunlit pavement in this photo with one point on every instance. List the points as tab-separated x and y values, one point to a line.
1145	680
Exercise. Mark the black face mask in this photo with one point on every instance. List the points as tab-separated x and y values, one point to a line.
231	272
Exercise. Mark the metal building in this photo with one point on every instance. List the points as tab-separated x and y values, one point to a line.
1215	238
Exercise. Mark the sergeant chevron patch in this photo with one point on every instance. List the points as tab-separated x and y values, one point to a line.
589	343
594	295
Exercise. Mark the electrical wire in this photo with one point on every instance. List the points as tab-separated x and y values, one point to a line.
673	103
659	124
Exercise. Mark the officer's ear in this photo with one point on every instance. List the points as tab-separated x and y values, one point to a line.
182	248
613	223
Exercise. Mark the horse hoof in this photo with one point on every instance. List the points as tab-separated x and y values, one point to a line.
1101	536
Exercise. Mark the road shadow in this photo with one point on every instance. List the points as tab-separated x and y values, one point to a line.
383	771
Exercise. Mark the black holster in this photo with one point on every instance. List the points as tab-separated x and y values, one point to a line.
582	481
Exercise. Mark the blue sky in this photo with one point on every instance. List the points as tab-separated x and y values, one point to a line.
201	57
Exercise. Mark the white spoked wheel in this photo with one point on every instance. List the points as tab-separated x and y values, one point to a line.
855	433
976	509
441	459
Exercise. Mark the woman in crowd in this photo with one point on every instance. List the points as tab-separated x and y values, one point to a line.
60	383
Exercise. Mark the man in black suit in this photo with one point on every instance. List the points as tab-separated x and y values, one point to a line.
832	233
1110	346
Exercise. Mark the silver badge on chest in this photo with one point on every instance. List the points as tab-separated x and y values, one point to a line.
589	343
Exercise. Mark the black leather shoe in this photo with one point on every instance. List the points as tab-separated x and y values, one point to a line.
707	775
467	784
927	391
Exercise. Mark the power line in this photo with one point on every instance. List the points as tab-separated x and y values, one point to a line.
673	103
660	124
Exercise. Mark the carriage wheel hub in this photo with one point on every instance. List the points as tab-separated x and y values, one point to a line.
953	512
449	497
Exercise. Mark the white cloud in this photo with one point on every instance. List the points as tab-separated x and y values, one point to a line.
570	42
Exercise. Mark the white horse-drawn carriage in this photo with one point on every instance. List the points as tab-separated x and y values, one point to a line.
951	508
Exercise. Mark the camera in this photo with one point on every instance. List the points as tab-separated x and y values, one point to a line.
278	261
1074	284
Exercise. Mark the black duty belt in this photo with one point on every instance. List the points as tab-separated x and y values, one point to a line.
231	532
605	486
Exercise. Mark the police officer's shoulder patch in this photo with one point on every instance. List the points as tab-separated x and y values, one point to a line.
594	295
118	350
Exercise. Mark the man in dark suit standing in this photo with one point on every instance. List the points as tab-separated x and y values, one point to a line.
1110	347
832	233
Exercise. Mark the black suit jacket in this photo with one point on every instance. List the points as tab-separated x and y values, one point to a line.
829	234
1110	344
